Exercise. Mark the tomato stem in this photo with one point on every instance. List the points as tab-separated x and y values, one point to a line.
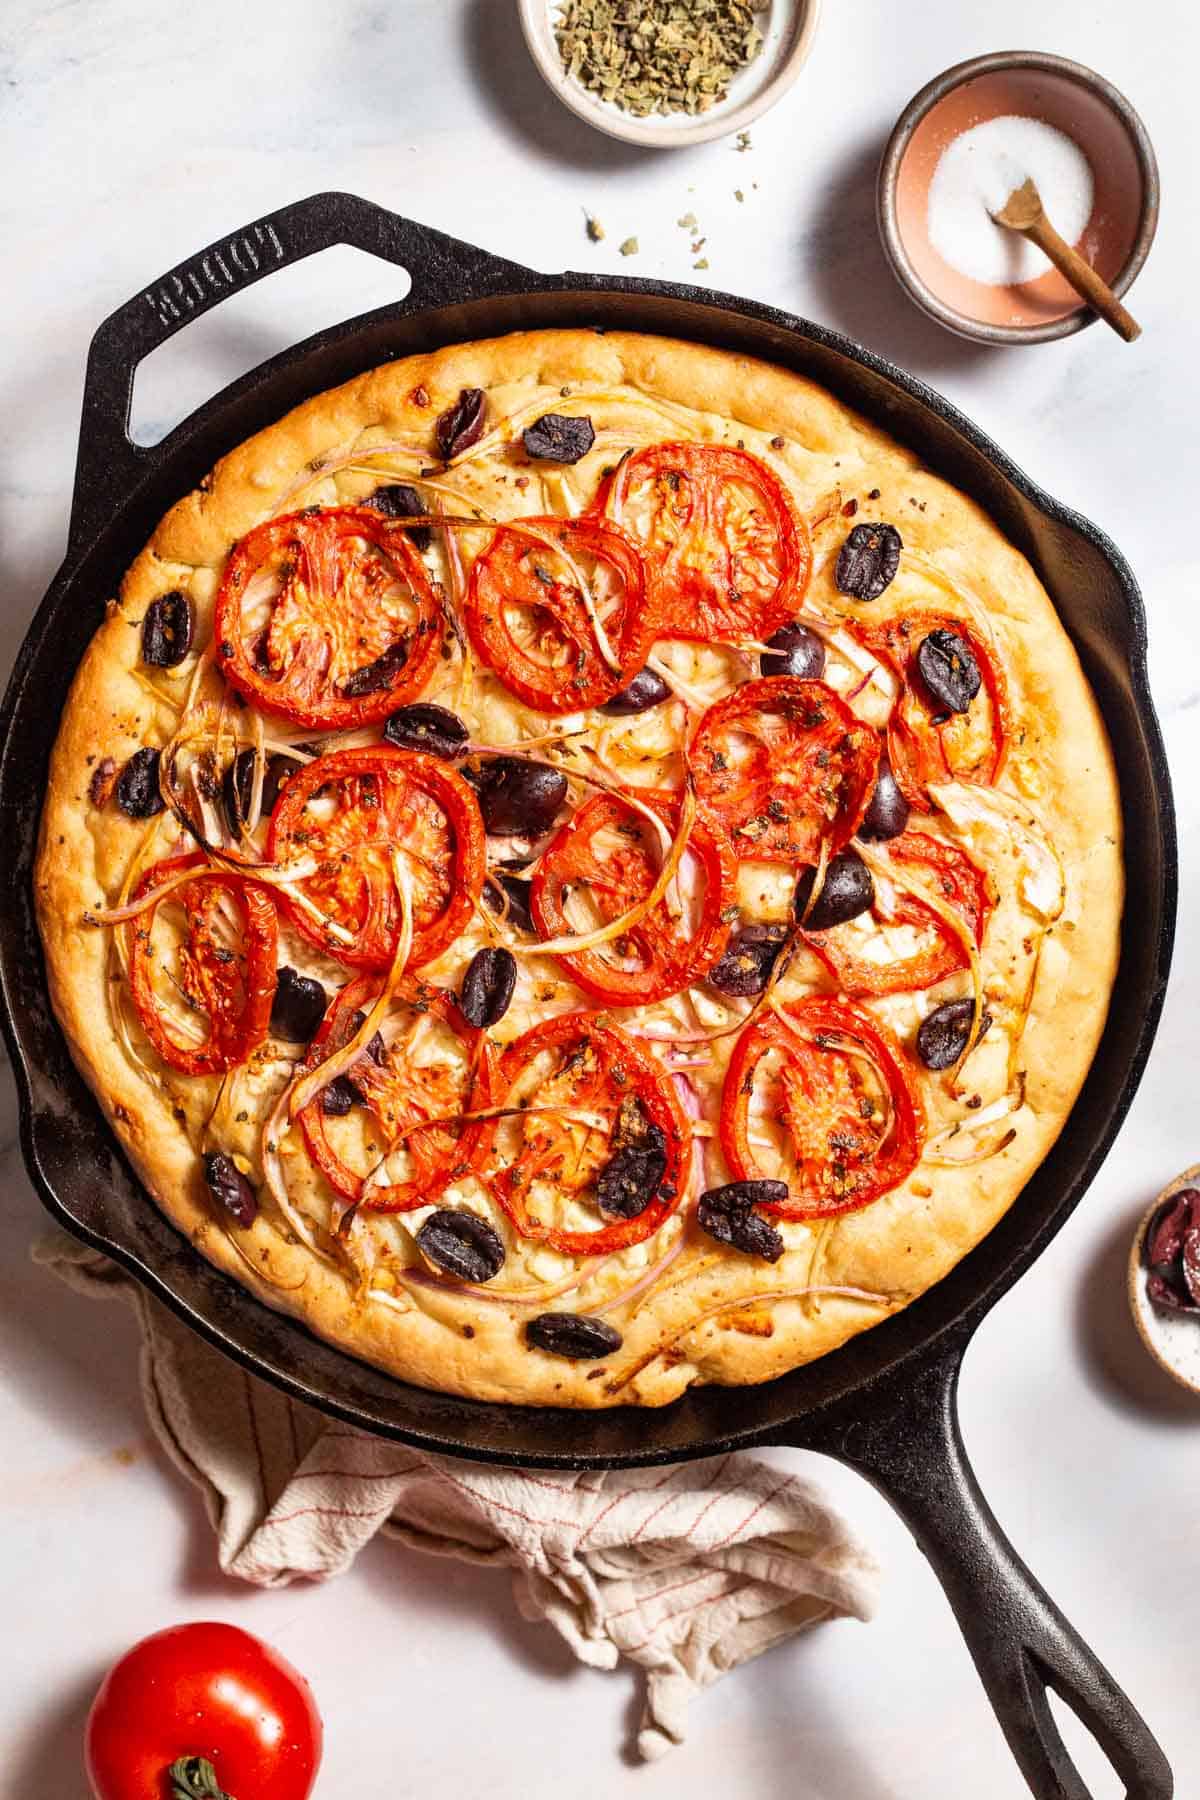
194	1778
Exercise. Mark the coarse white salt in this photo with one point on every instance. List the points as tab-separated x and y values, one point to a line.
974	177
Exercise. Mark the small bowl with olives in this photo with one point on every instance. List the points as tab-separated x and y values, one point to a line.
1164	1279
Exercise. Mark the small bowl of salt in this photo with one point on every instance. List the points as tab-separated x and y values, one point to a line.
959	149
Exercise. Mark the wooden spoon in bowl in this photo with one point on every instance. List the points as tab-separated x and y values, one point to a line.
1023	212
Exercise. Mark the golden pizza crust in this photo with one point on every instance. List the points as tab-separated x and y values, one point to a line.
695	1331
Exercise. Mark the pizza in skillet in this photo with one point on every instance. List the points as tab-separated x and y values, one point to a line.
575	867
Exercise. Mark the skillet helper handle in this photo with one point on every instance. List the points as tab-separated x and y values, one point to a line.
110	463
1022	1645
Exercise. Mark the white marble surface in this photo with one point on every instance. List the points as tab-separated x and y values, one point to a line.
134	133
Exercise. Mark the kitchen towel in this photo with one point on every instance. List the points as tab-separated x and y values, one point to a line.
687	1571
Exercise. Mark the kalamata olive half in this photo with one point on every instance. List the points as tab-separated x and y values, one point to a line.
167	630
339	1096
559	437
887	814
462	1244
794	649
461	425
749	958
630	1179
138	793
727	1214
397	500
645	690
229	1188
517	798
868	560
487	987
573	1335
518	891
1163	1243
298	1006
848	891
1169	1291
948	668
943	1033
1171	1252
633	1174
424	726
237	786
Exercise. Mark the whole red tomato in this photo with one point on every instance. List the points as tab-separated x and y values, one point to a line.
203	1712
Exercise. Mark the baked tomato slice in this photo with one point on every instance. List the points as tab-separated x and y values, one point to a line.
607	859
728	556
954	879
584	1095
926	741
785	765
352	813
818	1094
204	980
426	1063
328	619
529	621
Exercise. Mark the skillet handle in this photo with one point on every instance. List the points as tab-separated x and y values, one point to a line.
910	1447
110	464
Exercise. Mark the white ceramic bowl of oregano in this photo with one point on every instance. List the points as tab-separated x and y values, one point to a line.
669	72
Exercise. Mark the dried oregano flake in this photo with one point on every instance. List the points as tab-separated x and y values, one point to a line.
658	56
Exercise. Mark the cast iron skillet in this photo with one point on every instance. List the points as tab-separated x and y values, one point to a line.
885	1403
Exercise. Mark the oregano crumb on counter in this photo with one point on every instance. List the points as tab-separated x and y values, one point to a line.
658	56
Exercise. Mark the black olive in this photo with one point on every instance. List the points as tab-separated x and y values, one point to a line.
848	891
137	786
559	437
868	560
237	786
948	668
399	501
645	690
517	797
1171	1252
942	1036
727	1214
461	425
633	1174
630	1179
749	958
298	1006
373	677
229	1187
887	815
167	630
574	1335
487	987
1168	1291
1191	1259
423	726
339	1096
462	1244
794	649
1163	1243
518	891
